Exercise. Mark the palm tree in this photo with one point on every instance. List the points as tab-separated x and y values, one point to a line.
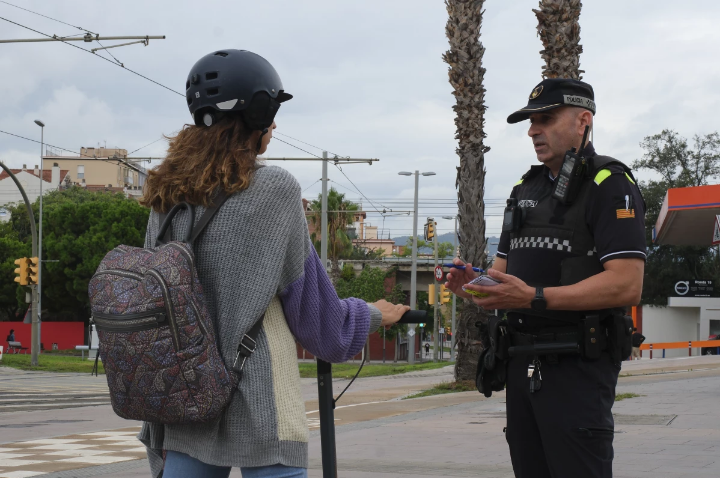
466	77
341	214
559	30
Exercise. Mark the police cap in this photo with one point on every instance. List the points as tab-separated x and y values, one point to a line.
553	93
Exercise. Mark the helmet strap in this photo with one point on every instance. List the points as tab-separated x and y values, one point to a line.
259	141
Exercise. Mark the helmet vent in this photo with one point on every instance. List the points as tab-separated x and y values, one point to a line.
211	76
221	53
212	91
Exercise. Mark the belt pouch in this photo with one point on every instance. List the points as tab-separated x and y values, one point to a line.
591	337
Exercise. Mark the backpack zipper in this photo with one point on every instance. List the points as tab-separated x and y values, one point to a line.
130	322
168	307
180	247
132	275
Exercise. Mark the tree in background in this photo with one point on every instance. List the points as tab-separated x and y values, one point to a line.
79	228
678	165
445	249
466	75
12	295
559	30
341	214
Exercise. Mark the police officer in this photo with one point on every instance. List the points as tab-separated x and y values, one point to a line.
571	256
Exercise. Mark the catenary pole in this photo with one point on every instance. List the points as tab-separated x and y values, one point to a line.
34	349
323	212
436	332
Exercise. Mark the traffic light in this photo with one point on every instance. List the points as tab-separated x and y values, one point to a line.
431	294
422	325
33	270
22	271
430	230
445	294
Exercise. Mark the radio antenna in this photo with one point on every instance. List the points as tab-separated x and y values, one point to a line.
582	145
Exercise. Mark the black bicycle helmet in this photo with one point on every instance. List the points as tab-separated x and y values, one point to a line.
234	81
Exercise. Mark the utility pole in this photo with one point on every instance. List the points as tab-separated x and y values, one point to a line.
34	340
40	237
436	333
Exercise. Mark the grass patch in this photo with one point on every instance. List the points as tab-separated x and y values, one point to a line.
348	370
447	387
50	363
622	396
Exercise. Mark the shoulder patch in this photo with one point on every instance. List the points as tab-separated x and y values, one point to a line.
602	176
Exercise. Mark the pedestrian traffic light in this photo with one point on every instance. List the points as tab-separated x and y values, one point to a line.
445	294
22	271
33	270
431	294
430	230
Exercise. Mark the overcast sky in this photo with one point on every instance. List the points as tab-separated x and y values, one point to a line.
368	80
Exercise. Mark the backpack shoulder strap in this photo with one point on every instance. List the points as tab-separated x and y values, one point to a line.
247	346
219	199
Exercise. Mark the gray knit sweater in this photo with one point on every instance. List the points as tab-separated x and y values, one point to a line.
255	257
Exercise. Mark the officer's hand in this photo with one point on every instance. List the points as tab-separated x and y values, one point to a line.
512	293
457	278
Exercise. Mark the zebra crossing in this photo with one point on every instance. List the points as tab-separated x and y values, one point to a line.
23	391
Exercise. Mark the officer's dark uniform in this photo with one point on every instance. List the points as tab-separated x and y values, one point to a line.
565	429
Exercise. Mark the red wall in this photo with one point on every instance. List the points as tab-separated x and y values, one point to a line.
66	334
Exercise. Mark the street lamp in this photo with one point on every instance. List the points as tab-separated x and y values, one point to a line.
455	252
413	273
40	234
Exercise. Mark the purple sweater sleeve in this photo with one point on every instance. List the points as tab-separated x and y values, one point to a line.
330	328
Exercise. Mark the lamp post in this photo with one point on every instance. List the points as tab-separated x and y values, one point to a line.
454	299
413	272
40	236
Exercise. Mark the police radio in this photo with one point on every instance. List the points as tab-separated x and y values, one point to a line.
572	173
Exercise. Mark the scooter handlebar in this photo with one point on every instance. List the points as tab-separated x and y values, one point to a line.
413	317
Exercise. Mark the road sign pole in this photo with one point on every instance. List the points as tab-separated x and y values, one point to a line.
437	289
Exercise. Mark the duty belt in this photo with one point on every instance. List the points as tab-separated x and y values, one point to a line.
550	342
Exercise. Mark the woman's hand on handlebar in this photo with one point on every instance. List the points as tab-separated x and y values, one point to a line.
457	278
391	313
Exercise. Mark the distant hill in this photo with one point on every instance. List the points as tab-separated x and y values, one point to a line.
448	237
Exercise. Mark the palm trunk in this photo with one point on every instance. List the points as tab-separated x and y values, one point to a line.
466	77
559	30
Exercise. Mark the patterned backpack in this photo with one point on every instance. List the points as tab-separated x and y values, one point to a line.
157	341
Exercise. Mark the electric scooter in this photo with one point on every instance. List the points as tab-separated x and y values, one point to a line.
327	402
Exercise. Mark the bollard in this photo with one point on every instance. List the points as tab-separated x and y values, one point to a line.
651	351
689	349
663	353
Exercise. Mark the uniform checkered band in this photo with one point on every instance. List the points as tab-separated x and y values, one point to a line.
593	252
542	243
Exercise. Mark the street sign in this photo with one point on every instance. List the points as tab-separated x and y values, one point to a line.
716	232
411	332
442	330
438	273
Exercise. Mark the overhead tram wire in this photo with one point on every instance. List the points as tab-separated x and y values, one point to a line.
96	55
143	147
49	18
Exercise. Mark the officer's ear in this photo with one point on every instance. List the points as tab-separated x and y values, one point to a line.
584	118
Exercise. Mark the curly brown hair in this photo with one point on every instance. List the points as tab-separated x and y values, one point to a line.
199	161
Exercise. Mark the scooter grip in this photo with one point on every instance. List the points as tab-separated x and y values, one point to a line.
413	317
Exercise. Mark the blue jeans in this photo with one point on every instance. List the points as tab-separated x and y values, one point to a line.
180	465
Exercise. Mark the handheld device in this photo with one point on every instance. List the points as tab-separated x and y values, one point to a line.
486	281
567	185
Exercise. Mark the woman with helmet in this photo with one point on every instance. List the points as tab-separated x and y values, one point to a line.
255	261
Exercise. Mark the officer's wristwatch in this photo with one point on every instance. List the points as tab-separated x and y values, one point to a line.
539	303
